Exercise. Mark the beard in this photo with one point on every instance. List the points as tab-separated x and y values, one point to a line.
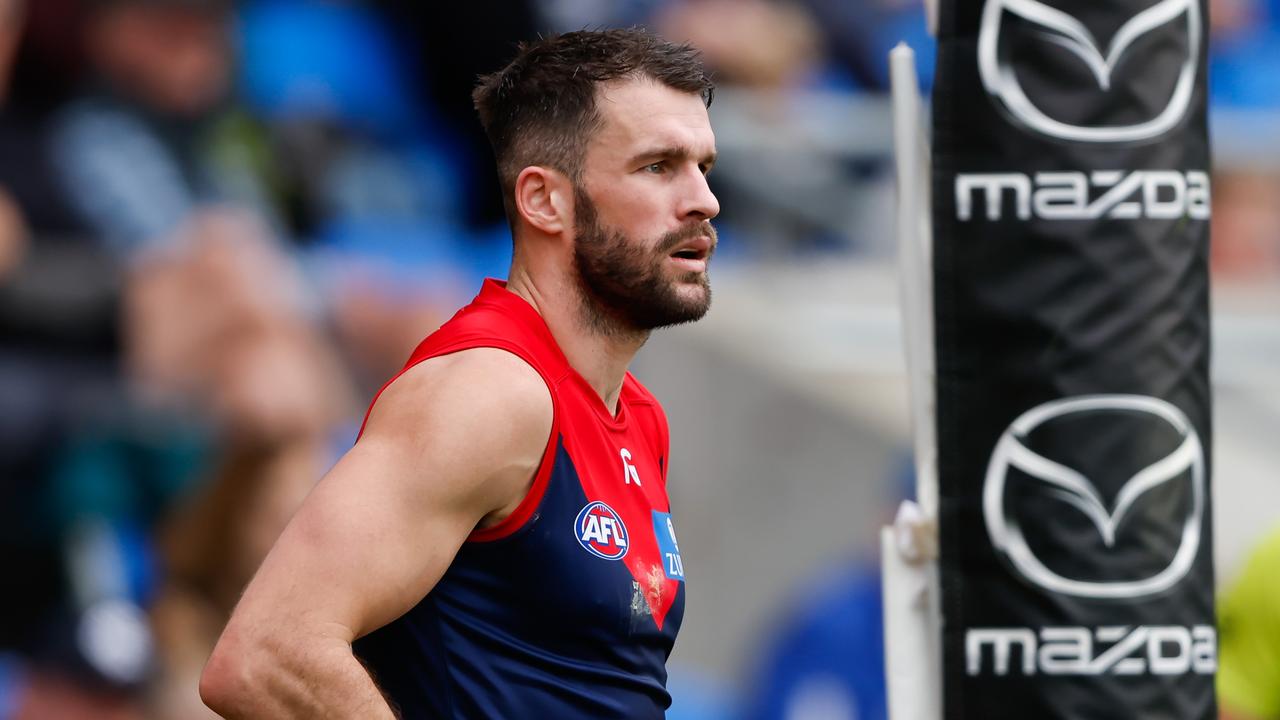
626	285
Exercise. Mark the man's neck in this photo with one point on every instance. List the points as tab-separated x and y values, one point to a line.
599	353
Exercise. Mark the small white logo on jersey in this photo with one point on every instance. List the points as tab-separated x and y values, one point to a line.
629	471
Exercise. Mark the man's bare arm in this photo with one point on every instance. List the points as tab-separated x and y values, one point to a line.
452	445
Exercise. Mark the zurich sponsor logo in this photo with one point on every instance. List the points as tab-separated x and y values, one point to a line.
600	530
664	531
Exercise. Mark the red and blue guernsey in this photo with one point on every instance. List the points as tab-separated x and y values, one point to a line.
569	607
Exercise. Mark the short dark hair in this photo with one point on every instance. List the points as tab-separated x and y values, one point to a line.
541	108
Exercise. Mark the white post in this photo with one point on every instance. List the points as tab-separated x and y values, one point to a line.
915	269
913	658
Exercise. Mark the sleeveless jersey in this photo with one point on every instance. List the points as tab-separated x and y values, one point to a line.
569	607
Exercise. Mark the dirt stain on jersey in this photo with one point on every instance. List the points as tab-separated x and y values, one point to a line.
656	584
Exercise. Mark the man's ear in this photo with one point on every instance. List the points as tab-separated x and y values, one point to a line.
544	199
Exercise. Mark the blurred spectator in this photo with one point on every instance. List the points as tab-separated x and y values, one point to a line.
1249	638
827	659
1244	47
756	43
135	149
569	15
1245	74
13	237
58	293
859	36
12	14
451	53
347	139
1246	225
158	352
802	43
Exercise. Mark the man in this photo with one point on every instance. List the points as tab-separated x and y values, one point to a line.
498	543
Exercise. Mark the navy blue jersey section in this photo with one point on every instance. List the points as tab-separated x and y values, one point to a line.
533	625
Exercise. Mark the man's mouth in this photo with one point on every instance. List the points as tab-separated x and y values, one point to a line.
696	249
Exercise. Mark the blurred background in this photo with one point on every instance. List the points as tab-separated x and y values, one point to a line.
223	224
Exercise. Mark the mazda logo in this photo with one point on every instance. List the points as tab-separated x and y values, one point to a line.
1055	27
1072	487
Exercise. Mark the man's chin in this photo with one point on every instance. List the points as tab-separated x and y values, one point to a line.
690	285
695	301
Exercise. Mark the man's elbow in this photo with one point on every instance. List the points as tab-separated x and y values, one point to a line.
227	684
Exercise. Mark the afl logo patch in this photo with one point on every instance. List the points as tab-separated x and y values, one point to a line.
601	532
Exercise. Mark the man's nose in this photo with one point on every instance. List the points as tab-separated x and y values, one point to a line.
699	201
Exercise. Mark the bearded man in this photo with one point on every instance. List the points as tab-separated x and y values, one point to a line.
499	542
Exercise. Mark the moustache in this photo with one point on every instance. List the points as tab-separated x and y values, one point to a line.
674	239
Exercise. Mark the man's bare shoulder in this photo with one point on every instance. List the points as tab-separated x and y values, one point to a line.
482	406
481	380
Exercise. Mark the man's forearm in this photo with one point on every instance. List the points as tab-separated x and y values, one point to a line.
277	680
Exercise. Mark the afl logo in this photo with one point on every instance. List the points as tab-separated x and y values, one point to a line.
601	532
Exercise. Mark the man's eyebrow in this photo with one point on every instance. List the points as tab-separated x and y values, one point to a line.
673	152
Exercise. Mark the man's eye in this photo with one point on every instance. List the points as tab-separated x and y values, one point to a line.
655	168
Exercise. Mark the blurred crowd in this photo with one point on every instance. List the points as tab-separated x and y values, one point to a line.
222	224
